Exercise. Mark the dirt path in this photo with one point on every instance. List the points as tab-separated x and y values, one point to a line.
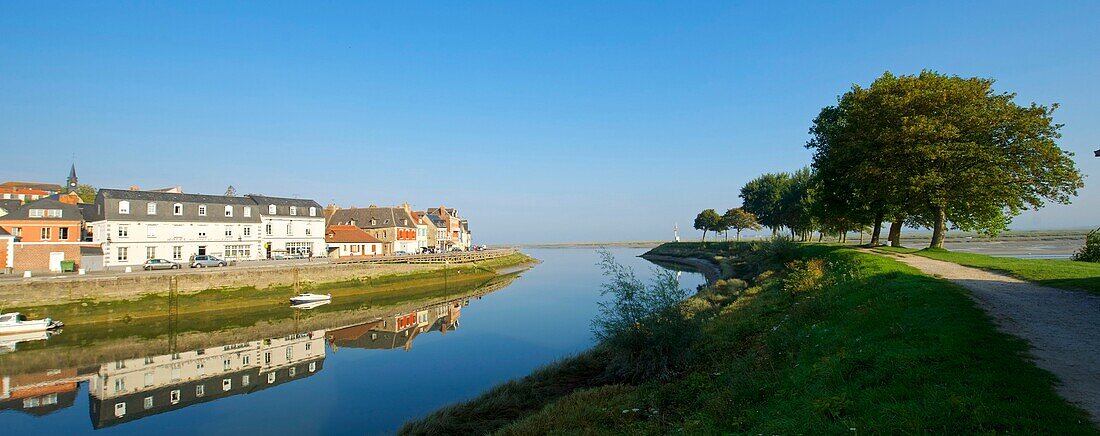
1063	327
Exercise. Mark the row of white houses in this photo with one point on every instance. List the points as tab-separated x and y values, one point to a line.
132	226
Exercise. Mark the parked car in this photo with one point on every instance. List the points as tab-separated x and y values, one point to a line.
205	260
401	253
152	264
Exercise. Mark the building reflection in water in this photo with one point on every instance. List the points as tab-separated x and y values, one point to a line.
127	390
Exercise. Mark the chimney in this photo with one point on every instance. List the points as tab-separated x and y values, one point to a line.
134	188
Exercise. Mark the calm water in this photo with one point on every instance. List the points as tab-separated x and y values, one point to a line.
326	370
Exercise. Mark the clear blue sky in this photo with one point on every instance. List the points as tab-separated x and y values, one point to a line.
552	121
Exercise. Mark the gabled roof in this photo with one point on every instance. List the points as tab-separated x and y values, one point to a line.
343	234
69	212
282	205
382	217
10	205
125	194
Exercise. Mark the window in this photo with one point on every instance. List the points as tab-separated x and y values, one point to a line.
228	231
175	372
177	209
248	212
124	207
289	230
200	390
202	210
271	209
243	251
120	364
148	403
293	210
292	371
245	360
120	410
150	252
312	211
267	229
177	252
123	231
120	384
123	254
151	208
148	360
308	346
148	379
174	396
312	366
247	231
373	221
245	380
227	384
228	210
308	232
267	358
151	231
225	364
17	231
36	213
289	353
271	377
45	233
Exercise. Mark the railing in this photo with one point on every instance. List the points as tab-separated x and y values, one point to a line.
453	257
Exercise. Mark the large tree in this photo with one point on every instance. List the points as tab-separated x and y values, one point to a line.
942	150
86	193
708	220
738	220
763	197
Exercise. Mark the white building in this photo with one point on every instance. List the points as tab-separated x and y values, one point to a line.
133	226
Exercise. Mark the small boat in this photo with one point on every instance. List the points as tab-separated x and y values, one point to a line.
15	322
310	305
310	298
10	343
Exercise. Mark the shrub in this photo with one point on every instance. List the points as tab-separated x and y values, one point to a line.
805	275
1090	252
643	325
758	257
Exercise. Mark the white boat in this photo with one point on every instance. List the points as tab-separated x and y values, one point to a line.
15	322
310	305
310	298
10	343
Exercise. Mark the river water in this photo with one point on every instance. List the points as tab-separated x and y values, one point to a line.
330	369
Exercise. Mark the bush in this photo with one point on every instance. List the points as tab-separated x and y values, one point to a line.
643	326
805	275
758	257
1090	252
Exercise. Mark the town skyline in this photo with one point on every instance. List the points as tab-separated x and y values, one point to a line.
532	114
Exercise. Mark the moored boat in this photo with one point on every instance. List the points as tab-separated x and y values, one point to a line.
309	298
310	305
15	322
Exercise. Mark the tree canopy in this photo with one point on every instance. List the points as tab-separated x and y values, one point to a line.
709	220
738	220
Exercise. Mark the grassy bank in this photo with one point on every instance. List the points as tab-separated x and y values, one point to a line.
824	340
371	291
1058	273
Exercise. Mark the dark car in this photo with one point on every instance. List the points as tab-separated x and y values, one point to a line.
152	264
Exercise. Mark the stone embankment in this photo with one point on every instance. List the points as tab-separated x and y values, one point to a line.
124	286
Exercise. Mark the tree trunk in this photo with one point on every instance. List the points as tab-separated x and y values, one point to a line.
738	234
895	233
878	228
704	236
860	236
939	227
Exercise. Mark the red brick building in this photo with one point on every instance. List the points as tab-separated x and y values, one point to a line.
46	232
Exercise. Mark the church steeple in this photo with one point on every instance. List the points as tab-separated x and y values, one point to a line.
70	184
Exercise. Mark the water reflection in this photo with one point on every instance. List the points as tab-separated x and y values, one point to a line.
130	389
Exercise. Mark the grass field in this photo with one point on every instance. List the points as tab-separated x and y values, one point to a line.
869	345
1058	273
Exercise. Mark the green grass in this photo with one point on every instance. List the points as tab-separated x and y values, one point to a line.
884	350
1058	273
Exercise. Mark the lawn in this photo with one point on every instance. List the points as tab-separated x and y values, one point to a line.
1064	274
874	346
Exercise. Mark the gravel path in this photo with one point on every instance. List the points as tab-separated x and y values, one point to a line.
1063	327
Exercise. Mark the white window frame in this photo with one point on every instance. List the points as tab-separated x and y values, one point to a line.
124	207
177	252
312	211
45	233
150	252
228	231
293	210
229	211
120	410
202	210
36	213
123	231
151	208
177	209
123	254
174	396
148	403
271	210
246	231
248	212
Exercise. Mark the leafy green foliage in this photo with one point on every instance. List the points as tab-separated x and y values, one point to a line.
739	220
763	197
86	193
709	220
1090	252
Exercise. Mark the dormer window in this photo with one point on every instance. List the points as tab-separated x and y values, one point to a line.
177	209
248	212
37	213
312	211
373	222
293	210
271	209
202	210
229	211
124	207
151	208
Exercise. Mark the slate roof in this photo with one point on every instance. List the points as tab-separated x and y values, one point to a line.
342	234
33	185
282	205
107	207
437	220
4	232
384	217
10	205
69	212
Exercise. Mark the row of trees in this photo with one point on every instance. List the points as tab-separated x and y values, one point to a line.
736	219
927	151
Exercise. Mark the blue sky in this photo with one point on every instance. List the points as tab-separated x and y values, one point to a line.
552	121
